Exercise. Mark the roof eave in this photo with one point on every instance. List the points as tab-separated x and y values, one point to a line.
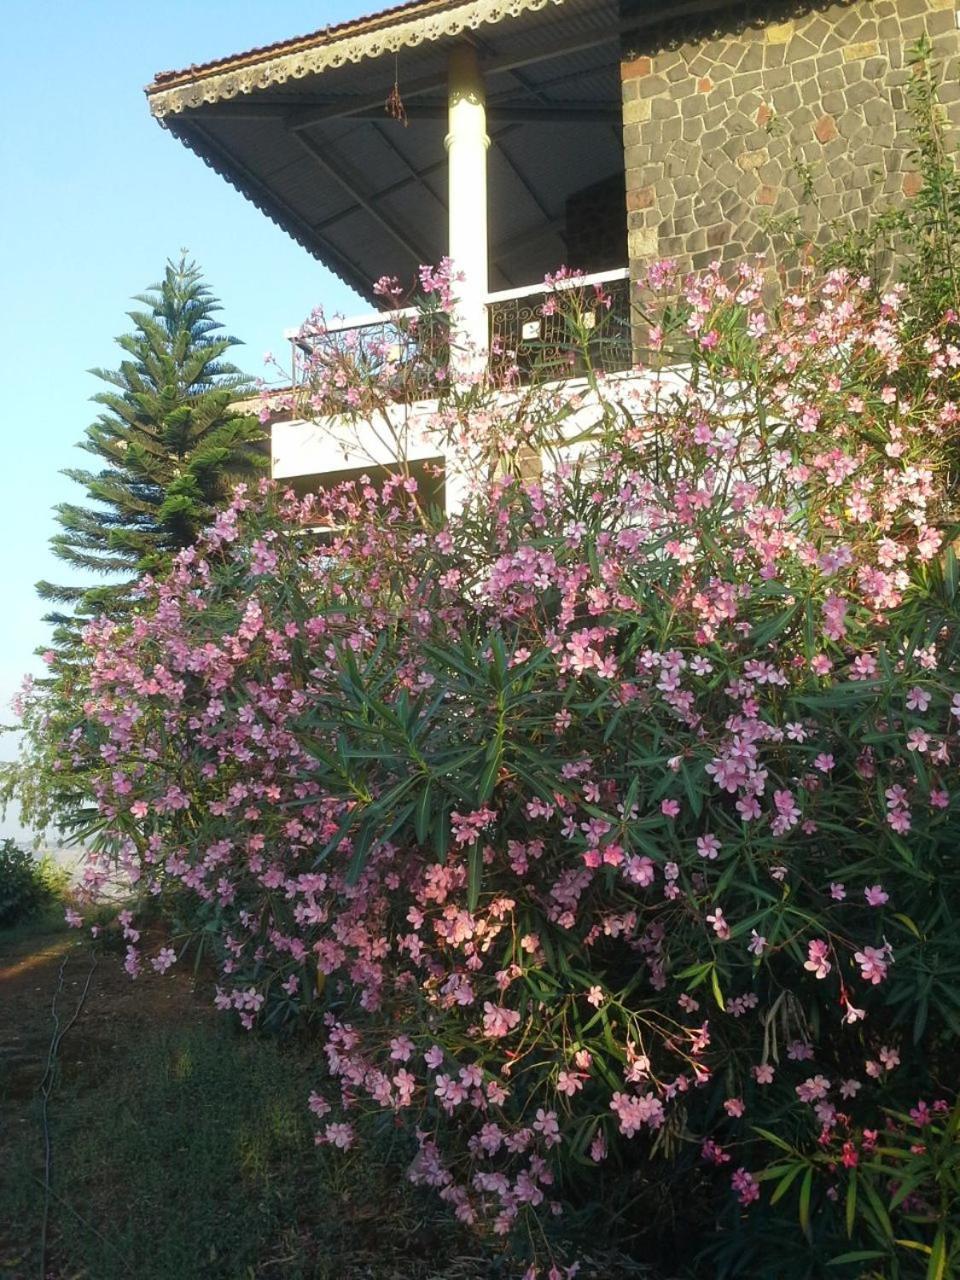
382	34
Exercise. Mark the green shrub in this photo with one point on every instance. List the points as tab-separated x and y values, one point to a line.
26	884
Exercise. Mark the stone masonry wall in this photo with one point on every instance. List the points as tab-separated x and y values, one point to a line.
772	110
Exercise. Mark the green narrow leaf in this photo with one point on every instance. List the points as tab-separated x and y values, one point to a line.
441	831
907	923
937	1267
950	573
785	1183
694	793
715	987
858	1255
422	815
851	1202
806	1190
879	1212
488	779
361	847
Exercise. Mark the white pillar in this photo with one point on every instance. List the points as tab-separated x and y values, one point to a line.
467	144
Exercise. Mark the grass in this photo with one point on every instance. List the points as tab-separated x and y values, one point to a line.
183	1149
192	1156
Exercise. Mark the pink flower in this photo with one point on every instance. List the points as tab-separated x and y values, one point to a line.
900	820
595	997
874	962
498	1021
734	1108
633	1112
569	1082
875	895
719	924
889	1057
547	1126
813	1089
918	699
713	1153
318	1104
433	1057
763	1074
73	918
401	1048
746	1186
817	961
164	959
340	1135
669	808
708	846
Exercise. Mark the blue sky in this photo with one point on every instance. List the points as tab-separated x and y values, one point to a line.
94	197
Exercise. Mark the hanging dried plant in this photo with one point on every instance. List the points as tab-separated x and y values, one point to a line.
394	105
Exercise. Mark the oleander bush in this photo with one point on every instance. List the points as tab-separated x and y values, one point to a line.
603	833
26	883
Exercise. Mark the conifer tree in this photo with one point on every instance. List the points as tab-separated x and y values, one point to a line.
171	439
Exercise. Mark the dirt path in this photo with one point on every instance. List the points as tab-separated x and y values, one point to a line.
114	1007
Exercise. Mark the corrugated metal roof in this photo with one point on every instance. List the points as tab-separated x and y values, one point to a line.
324	35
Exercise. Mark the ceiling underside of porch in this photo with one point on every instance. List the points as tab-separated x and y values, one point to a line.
367	193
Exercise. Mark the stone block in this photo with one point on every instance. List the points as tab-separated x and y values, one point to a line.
662	108
652	86
752	59
719	235
864	49
785	101
751	160
672	130
636	68
641	198
800	49
829	78
939	24
746	83
643	243
778	32
810	92
826	129
858	94
637	111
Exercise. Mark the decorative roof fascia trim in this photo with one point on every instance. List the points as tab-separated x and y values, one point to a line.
406	33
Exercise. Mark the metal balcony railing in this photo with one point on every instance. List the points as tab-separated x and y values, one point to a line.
534	331
532	337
